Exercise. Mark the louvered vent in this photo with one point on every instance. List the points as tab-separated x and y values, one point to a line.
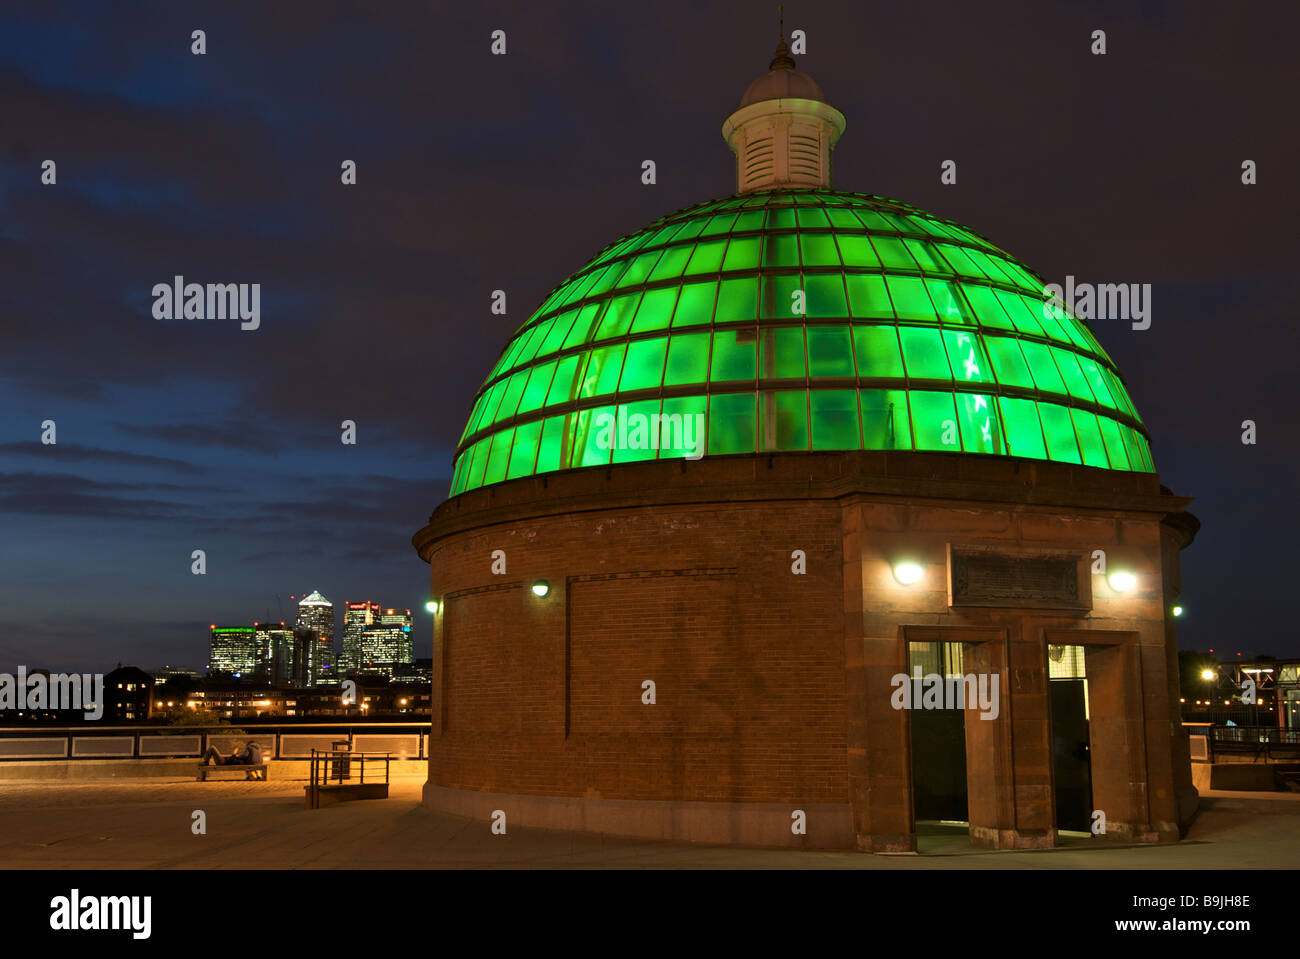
805	156
783	133
758	159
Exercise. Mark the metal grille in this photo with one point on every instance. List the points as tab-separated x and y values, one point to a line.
991	579
300	746
401	747
171	745
33	748
103	746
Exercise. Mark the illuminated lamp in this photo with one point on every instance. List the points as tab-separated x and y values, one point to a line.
908	572
1121	580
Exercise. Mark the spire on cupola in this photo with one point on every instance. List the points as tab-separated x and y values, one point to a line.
784	131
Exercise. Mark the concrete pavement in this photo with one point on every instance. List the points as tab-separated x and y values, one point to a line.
146	824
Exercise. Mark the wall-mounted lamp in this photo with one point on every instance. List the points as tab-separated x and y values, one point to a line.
1121	580
908	572
541	587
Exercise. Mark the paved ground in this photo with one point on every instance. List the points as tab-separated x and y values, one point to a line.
146	824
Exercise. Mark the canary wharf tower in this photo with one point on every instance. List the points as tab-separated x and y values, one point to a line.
876	458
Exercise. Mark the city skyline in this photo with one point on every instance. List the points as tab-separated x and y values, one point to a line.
293	651
202	657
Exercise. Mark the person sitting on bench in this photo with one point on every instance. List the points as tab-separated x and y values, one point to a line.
249	755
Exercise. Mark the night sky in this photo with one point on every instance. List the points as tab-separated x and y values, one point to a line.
478	172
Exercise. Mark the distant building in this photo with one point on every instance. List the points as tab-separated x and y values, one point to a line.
1262	692
128	695
236	701
1281	678
275	652
302	658
356	617
420	671
233	700
315	612
233	651
164	673
386	646
395	698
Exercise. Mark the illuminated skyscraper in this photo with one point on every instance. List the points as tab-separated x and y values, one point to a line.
275	651
302	661
317	613
232	651
386	645
356	617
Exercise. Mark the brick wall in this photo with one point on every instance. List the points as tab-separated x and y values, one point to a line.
544	695
773	687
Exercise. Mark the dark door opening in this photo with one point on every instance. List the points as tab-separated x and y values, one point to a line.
1071	750
938	742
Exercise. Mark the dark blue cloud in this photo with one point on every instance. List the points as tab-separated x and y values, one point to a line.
478	173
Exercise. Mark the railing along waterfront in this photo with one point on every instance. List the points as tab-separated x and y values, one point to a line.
402	741
1254	735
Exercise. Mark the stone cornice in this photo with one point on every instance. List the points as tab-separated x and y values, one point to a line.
949	478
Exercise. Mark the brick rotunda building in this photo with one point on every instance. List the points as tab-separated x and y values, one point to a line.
750	467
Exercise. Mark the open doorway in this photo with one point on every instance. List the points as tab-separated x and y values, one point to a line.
938	755
1071	742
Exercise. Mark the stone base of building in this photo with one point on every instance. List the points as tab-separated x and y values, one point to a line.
714	823
1142	832
993	838
886	844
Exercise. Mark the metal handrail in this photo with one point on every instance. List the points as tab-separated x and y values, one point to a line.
37	729
1261	740
328	763
267	735
1252	735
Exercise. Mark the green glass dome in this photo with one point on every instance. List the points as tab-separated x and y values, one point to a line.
798	320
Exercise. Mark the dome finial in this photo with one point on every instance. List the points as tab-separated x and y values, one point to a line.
784	131
782	60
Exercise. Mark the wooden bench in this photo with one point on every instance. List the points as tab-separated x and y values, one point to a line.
251	773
